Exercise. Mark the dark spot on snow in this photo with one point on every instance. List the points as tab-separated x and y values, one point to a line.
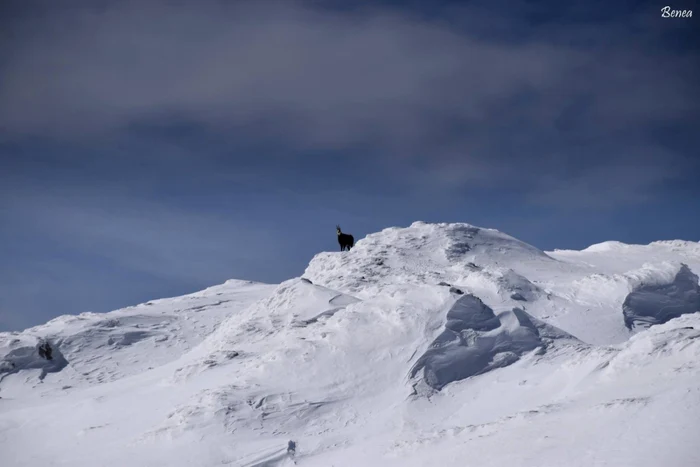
458	249
457	291
108	323
445	284
44	350
656	304
304	279
210	305
518	296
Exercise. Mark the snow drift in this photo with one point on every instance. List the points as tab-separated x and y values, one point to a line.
658	303
475	340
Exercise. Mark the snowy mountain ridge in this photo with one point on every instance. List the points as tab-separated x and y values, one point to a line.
434	344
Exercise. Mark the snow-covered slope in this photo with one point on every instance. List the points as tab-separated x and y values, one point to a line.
104	347
435	344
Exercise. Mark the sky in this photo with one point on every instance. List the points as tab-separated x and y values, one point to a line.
153	148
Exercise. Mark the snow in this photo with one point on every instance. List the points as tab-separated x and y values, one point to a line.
659	303
434	344
475	340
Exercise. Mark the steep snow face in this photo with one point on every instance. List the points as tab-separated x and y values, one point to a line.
475	341
424	345
655	304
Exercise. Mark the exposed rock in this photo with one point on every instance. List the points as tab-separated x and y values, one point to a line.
45	351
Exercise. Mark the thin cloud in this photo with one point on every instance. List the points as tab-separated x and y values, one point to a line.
418	92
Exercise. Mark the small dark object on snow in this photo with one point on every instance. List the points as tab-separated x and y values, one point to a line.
291	447
456	290
518	296
45	350
304	279
346	241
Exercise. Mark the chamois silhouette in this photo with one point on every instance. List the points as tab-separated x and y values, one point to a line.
346	240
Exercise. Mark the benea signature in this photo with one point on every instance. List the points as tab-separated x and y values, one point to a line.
667	12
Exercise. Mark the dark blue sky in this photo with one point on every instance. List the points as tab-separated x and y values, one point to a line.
152	148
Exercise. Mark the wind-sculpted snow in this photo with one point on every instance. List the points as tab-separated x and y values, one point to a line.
296	302
470	313
435	344
678	338
422	253
94	348
652	304
23	353
476	340
519	287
